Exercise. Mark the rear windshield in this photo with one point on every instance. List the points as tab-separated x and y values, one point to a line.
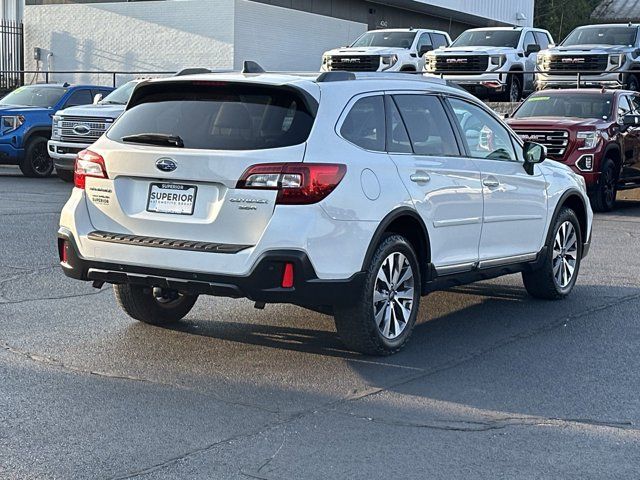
567	105
218	116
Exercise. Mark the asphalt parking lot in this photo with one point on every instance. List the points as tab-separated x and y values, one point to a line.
493	384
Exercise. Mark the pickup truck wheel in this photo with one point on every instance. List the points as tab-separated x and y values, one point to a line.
559	270
603	199
633	83
384	313
65	175
513	92
36	162
153	305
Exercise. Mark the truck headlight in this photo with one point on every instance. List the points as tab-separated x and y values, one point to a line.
325	59
590	139
616	60
389	61
496	61
56	133
10	123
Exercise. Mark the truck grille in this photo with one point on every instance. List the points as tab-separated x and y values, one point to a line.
573	63
556	141
82	129
460	64
356	63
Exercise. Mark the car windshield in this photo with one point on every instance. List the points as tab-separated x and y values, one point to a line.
215	116
386	39
601	36
121	95
579	105
488	38
34	96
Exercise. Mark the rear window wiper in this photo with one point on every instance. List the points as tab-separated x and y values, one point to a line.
155	139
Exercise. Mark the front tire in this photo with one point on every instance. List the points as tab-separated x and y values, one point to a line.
513	94
603	198
384	313
633	83
36	162
153	305
561	263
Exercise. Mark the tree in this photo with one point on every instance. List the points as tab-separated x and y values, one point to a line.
562	16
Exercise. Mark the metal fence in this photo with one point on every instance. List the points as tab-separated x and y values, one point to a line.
11	55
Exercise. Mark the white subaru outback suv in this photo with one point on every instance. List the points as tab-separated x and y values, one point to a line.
349	194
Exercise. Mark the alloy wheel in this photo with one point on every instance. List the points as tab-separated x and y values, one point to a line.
565	254
393	295
40	160
608	186
514	91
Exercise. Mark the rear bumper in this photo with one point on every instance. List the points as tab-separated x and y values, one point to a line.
262	284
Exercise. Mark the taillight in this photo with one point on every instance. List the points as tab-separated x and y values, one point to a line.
297	183
88	164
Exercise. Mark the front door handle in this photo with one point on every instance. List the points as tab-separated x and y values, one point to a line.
491	182
420	177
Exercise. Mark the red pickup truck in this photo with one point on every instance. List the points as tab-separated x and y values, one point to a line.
595	132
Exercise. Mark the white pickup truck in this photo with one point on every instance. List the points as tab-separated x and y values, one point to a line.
76	128
492	62
392	50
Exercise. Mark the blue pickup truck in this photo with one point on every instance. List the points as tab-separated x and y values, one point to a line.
25	122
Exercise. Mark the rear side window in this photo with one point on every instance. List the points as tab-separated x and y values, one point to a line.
428	126
365	124
219	116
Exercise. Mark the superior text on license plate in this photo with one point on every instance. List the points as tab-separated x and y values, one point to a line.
172	198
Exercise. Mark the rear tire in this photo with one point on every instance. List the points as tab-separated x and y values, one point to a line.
633	83
603	199
557	275
383	314
154	306
65	175
36	162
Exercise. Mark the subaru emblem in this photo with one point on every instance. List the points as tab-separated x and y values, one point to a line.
166	165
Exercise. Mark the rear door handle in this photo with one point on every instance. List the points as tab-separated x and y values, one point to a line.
491	182
420	177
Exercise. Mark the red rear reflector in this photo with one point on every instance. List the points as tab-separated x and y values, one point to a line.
63	250
287	276
297	183
88	164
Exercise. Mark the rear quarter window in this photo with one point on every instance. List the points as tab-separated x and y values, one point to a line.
219	116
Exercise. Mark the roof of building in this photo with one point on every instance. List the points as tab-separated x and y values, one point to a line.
617	11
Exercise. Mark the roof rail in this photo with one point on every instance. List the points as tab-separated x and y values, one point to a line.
191	71
250	66
335	76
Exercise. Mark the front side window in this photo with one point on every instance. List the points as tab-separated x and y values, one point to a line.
488	38
438	40
597	35
542	40
624	107
365	124
424	40
34	96
485	137
427	124
386	39
529	39
215	116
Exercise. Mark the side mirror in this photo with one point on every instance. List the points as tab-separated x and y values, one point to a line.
532	48
533	153
424	49
630	120
97	98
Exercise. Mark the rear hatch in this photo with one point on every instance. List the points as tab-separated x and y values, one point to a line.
174	158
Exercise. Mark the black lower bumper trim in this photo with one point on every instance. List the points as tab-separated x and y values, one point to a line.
262	284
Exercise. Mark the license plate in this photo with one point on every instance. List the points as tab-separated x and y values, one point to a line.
172	198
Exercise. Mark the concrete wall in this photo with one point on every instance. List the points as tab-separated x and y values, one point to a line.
504	11
285	39
168	36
